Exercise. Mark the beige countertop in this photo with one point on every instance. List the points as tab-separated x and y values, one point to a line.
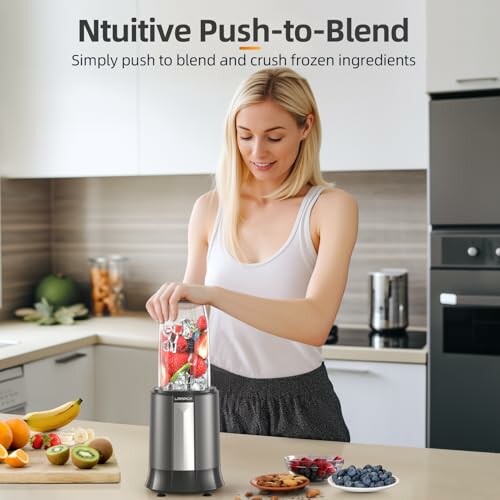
423	473
138	330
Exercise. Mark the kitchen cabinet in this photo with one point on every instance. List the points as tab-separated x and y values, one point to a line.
463	43
125	377
59	119
64	118
373	117
54	380
382	403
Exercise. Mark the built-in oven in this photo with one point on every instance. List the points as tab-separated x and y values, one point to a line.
13	392
464	365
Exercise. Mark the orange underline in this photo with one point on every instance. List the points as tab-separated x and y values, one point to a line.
250	47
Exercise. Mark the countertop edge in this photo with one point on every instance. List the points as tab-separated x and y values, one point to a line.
38	353
138	331
385	355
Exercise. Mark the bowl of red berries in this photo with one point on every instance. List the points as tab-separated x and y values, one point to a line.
314	467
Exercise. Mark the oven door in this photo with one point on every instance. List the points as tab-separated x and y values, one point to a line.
464	367
464	172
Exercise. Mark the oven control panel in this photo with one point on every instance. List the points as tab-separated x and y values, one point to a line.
465	250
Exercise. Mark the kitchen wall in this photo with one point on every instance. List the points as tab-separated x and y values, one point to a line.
145	219
25	239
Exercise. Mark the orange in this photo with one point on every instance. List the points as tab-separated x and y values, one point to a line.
5	435
18	458
3	453
20	432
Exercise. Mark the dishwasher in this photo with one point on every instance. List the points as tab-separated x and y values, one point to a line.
13	392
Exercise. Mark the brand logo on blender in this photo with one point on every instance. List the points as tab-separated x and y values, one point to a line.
183	398
333	30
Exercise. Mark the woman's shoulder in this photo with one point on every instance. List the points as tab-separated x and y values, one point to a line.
205	212
334	198
208	202
333	203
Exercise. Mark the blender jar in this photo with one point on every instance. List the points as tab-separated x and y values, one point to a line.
183	363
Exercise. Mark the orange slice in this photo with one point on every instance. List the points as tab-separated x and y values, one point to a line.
18	458
3	452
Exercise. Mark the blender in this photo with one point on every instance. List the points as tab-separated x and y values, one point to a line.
184	450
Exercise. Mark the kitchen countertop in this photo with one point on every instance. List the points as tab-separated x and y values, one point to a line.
138	330
424	474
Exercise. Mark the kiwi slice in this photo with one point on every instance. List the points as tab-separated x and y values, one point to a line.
104	447
84	457
58	454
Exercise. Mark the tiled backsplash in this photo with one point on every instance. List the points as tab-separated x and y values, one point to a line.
59	224
25	240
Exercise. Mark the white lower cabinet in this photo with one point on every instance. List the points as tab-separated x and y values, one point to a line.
124	379
57	379
382	403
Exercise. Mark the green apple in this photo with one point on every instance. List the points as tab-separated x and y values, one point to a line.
58	290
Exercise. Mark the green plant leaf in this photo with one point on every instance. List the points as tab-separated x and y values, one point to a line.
64	316
48	320
44	308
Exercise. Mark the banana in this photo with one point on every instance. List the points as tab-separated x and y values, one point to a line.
80	435
50	420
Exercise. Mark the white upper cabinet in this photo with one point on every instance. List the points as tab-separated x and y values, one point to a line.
373	117
60	119
63	119
463	45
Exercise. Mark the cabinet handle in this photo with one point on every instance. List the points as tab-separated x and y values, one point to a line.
69	358
481	79
350	370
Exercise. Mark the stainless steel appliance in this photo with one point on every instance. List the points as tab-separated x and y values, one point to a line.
389	299
465	340
464	173
13	392
464	275
184	449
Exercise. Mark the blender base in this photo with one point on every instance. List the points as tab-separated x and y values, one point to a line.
199	481
184	448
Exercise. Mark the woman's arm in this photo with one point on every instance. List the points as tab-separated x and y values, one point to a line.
305	320
200	226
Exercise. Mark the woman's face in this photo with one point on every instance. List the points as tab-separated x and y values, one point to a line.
269	139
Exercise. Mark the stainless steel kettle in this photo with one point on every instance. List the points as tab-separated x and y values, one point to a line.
389	299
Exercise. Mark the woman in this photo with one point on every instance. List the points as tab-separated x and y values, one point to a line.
269	250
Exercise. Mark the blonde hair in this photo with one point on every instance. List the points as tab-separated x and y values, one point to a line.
287	88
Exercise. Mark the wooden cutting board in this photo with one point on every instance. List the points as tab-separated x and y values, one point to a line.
40	470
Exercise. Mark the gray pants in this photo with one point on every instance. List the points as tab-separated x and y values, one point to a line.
303	406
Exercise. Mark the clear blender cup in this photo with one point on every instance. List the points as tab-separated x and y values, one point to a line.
183	363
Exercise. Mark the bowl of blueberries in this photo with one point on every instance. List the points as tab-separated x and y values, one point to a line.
316	468
368	479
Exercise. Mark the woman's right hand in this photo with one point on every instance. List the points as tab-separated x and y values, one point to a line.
163	305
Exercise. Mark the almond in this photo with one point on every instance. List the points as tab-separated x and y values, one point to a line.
313	492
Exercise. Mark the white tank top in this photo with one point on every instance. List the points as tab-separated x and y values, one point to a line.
240	348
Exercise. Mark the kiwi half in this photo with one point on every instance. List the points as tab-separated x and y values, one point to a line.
104	447
84	457
58	454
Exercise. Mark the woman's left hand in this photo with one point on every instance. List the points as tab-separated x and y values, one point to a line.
163	305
